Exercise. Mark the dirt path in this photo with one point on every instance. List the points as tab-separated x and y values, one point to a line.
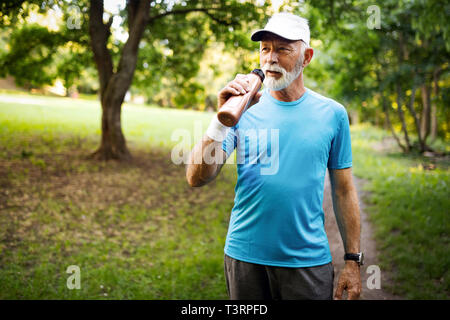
367	243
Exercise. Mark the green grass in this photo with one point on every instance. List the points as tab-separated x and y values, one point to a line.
409	207
54	116
137	231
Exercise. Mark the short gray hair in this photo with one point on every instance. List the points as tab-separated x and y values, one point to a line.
303	47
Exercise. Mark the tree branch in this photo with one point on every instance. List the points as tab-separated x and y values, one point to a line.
416	119
402	116
99	33
386	107
388	120
121	81
132	7
226	23
188	10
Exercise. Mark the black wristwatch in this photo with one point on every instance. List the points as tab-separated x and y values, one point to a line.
358	257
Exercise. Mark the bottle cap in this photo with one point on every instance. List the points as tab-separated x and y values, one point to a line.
260	73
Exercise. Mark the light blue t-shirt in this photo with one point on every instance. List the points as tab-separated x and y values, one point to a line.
282	152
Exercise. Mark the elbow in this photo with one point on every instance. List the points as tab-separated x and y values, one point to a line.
343	194
346	194
193	181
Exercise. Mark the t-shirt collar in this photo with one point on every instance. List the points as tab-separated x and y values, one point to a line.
284	103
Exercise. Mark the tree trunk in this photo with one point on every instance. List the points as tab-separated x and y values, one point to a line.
416	119
402	54
377	118
426	112
389	124
113	145
386	107
402	118
434	124
113	86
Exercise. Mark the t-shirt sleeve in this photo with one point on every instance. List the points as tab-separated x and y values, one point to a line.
341	147
230	142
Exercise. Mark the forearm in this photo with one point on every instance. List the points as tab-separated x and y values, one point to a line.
204	162
207	157
346	208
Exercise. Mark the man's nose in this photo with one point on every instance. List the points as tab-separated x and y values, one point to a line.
273	57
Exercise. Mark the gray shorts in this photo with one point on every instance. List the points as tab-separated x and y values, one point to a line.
249	281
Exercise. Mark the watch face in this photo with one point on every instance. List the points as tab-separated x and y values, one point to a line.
361	258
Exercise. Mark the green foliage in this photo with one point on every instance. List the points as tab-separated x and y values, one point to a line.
29	60
12	11
169	53
173	48
356	65
191	96
411	45
174	56
432	20
72	63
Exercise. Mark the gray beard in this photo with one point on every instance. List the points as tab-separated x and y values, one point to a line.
286	79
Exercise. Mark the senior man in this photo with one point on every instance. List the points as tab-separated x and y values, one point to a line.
276	246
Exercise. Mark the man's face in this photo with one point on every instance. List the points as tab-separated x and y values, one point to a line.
281	60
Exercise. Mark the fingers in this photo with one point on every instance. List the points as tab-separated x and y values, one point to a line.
256	98
353	290
236	88
240	85
339	291
243	80
353	294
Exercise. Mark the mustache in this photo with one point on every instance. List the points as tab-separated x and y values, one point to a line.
273	67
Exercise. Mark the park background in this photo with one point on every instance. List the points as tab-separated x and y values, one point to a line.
88	110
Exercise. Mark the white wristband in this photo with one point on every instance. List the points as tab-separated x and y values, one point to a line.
216	130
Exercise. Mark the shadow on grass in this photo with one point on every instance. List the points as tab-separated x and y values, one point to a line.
136	230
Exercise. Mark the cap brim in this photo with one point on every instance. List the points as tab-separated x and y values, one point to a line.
258	35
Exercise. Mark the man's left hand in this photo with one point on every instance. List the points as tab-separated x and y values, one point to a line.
349	280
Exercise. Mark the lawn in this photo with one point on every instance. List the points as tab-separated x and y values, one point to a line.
409	206
138	231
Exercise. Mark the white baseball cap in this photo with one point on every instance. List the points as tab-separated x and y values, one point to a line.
285	25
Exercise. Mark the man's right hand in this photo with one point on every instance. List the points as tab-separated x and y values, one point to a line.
199	174
240	85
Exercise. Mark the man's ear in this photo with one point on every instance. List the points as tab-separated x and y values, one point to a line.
309	52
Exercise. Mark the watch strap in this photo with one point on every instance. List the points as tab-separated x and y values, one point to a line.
354	257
